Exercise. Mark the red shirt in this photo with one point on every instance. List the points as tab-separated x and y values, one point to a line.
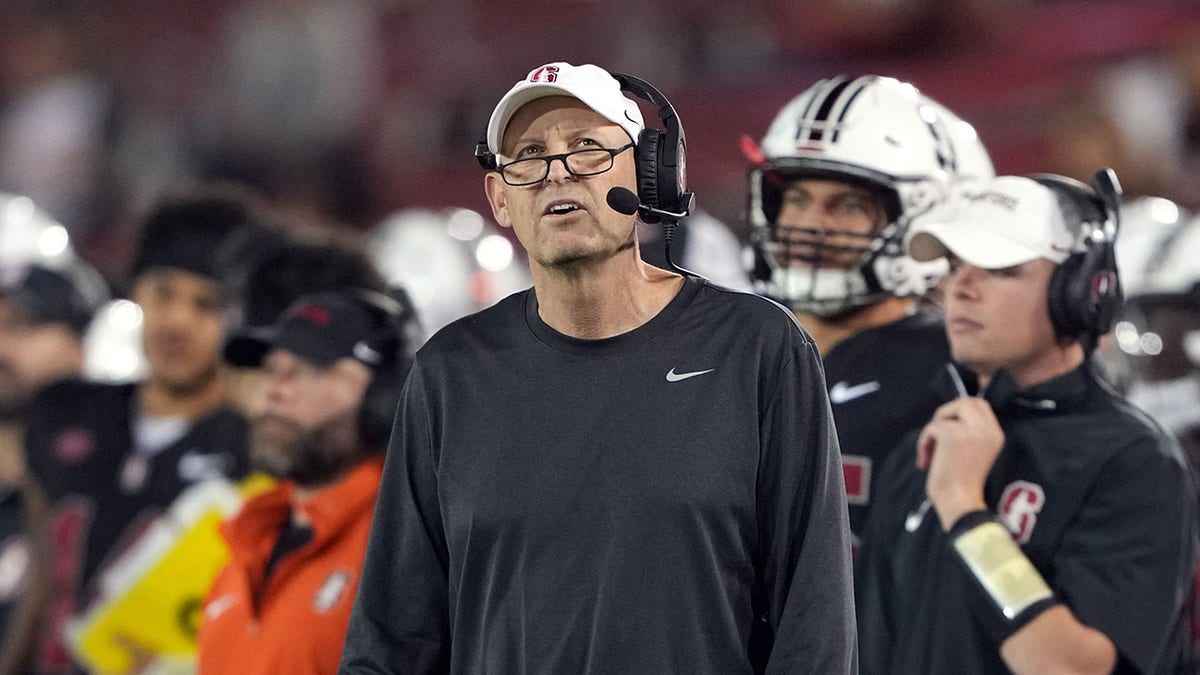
294	621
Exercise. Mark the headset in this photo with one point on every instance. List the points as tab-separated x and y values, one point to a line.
660	158
396	337
1085	293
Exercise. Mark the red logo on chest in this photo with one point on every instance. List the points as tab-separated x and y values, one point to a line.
1019	507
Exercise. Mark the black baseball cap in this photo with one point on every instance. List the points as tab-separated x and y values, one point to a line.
320	327
68	293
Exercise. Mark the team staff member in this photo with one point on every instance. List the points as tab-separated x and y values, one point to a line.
619	470
842	170
108	458
1047	526
283	602
45	307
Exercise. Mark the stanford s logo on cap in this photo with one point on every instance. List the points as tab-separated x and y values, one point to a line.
544	74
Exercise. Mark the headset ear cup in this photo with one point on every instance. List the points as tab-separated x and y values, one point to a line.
1066	304
397	340
379	405
668	174
647	160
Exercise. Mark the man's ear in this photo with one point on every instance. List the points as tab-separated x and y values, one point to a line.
494	186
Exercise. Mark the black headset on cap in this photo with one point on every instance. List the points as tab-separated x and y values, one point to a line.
660	158
395	339
1085	293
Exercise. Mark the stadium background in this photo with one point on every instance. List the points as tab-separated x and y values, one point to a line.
358	109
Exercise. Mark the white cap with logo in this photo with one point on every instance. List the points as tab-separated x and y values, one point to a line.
995	223
592	85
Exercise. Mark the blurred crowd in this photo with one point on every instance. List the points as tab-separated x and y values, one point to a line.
354	109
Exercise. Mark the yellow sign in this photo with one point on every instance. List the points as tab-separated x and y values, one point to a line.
151	598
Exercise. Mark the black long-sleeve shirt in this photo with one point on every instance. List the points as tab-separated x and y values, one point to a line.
637	504
1098	498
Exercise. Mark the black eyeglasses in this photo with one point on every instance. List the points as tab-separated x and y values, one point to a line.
588	162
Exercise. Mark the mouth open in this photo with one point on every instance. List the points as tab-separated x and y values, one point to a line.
561	208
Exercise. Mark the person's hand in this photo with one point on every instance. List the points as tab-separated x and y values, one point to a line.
957	448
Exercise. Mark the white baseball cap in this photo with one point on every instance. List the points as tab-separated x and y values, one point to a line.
593	85
995	223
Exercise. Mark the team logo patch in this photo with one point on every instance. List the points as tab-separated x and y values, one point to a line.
856	471
332	590
1019	507
544	74
314	314
74	445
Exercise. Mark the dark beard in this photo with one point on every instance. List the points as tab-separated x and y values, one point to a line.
314	458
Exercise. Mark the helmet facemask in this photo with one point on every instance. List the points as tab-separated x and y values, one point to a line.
829	273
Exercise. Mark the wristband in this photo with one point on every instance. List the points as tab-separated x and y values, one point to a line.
1013	590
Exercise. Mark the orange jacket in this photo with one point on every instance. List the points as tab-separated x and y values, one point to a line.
296	621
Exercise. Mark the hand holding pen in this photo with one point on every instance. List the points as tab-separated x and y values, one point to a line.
957	448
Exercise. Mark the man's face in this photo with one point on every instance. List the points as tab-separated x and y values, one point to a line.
999	318
32	355
826	223
591	230
182	327
308	428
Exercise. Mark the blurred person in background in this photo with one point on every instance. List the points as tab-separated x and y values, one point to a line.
839	175
291	100
105	459
451	262
45	307
54	113
1153	356
263	275
333	365
1045	525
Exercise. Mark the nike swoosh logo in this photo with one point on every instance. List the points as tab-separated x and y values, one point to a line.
673	376
842	392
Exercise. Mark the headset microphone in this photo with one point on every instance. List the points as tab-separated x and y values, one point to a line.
623	200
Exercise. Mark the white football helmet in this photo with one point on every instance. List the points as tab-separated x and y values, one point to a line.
1154	354
873	131
450	261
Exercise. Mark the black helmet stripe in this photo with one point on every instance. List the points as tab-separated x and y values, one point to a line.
818	129
862	84
943	147
805	127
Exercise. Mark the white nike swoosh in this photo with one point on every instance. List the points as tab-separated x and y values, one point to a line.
842	392
673	376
